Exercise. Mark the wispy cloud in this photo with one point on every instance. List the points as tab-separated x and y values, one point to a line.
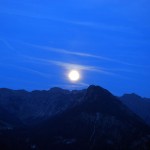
94	25
64	51
72	86
47	85
34	71
80	67
8	45
70	52
25	69
68	66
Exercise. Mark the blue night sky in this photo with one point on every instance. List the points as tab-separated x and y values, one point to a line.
107	41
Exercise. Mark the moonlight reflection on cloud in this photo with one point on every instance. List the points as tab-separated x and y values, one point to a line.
74	75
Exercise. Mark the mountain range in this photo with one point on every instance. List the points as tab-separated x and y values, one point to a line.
139	105
59	119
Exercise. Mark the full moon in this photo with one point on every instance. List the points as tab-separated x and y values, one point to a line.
74	75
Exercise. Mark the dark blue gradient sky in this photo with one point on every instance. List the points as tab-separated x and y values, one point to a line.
107	41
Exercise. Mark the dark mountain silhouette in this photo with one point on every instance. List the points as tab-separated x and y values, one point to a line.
90	119
139	105
7	120
100	121
36	106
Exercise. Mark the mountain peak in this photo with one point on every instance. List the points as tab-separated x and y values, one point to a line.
95	92
58	90
95	87
131	96
98	99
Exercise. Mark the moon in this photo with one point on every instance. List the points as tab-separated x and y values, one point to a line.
74	75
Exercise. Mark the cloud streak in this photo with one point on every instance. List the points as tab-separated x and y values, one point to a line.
25	69
8	45
89	24
64	51
68	52
68	66
72	86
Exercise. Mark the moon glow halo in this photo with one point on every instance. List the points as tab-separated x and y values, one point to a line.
74	75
